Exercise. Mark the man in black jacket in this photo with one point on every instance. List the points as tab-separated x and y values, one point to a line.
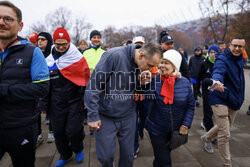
204	73
69	72
45	42
24	77
194	67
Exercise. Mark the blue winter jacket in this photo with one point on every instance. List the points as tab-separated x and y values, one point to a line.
229	70
158	121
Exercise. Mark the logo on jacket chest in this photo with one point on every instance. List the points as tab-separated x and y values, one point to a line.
19	61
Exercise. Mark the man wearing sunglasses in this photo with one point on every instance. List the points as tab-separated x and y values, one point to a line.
228	71
45	42
24	77
69	72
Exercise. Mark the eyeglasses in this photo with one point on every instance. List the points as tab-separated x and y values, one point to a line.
61	44
235	46
7	19
213	52
42	39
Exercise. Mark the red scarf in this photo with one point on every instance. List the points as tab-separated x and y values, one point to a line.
167	89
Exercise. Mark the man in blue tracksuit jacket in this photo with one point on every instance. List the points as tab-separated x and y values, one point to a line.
228	70
109	99
24	77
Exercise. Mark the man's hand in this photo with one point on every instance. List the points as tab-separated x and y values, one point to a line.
95	125
220	88
145	77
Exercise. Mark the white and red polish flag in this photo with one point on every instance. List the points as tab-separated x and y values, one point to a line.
72	66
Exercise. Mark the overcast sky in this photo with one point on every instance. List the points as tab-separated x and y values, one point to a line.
102	13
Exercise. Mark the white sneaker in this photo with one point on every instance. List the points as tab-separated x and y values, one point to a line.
39	140
202	125
47	121
51	137
136	153
207	146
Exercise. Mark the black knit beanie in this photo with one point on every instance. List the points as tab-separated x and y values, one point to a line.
47	50
95	32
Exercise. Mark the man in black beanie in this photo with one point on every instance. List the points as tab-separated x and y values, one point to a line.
44	42
167	42
95	32
92	55
94	52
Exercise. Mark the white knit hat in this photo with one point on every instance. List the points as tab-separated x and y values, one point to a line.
174	57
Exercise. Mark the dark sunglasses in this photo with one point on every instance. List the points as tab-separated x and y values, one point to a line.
42	39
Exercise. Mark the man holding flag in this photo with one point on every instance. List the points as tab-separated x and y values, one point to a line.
69	71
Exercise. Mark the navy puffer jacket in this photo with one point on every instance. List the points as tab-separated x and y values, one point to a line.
158	121
229	70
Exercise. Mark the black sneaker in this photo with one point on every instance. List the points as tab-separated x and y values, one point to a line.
197	103
248	112
141	133
91	132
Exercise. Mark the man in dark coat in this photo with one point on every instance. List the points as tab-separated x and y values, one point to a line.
194	68
45	42
167	43
205	73
24	77
228	71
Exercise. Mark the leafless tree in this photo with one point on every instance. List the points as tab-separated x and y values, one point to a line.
38	27
60	18
81	30
78	29
217	14
240	23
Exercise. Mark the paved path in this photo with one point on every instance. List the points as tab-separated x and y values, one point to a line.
189	155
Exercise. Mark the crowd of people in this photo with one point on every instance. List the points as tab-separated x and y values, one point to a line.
117	92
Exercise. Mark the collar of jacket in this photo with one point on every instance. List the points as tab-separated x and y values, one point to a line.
57	54
18	41
94	46
231	56
198	56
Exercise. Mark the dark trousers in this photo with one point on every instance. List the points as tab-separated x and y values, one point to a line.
207	110
142	110
161	151
136	143
68	129
48	117
195	91
39	124
20	143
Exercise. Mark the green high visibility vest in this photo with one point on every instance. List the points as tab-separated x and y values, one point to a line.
93	56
